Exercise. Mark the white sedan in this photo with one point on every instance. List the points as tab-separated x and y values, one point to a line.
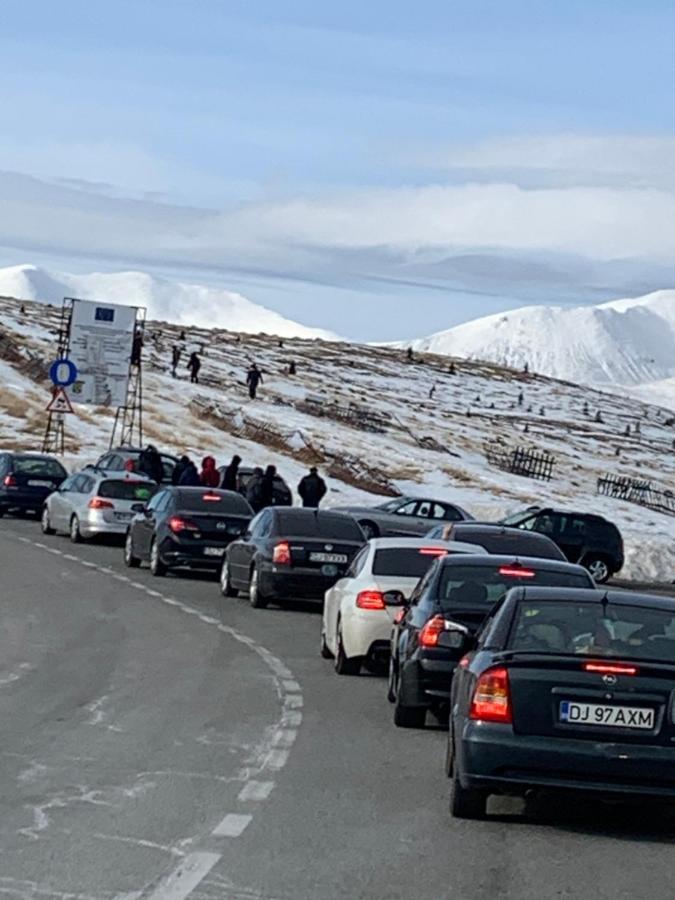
356	625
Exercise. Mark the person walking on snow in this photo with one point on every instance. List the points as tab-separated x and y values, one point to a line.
150	464
230	475
189	476
209	476
194	365
175	360
312	489
253	379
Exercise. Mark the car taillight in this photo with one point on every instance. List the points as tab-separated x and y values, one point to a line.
370	600
517	572
491	700
100	503
9	481
282	554
610	668
178	524
432	631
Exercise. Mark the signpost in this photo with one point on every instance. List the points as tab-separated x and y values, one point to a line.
63	373
59	403
101	337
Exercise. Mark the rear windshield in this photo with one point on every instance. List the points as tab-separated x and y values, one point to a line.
515	545
588	629
135	491
214	502
410	562
460	585
323	525
30	465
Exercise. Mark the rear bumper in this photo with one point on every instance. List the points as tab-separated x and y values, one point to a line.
426	681
94	524
366	632
296	584
494	758
23	500
192	557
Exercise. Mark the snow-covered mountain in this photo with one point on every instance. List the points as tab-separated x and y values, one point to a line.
184	304
623	342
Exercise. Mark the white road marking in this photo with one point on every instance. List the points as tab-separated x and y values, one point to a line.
276	759
290	686
185	877
255	791
232	825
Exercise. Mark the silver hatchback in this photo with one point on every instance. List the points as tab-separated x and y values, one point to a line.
90	503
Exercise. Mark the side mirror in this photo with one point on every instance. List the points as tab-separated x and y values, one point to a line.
394	598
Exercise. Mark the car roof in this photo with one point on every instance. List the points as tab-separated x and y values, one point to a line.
137	450
563	511
28	454
513	559
305	513
610	598
403	543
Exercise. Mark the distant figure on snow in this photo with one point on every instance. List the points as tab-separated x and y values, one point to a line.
312	489
231	474
189	476
253	379
410	354
209	476
432	391
175	360
254	489
194	365
150	464
291	368
181	336
526	368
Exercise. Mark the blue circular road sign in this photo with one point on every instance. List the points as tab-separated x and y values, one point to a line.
63	373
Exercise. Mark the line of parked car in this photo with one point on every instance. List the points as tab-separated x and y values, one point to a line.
546	681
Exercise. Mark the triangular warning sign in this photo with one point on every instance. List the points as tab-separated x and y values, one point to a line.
59	402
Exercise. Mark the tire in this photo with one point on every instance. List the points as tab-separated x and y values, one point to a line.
226	588
157	567
391	683
599	568
2	512
345	665
467	803
75	533
449	756
324	649
255	598
44	522
130	561
369	529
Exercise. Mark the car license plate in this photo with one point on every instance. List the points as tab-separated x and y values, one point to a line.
328	557
124	517
35	482
638	717
214	551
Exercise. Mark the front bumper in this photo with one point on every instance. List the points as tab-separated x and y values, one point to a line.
492	757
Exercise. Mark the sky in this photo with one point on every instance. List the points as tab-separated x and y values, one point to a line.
381	169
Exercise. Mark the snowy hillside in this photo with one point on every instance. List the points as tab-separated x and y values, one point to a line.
624	342
184	304
366	419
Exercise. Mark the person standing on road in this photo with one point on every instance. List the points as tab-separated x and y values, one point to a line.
189	476
312	489
254	490
175	360
194	365
253	379
230	475
209	476
150	464
178	469
267	487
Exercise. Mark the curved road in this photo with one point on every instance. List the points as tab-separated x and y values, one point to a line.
149	752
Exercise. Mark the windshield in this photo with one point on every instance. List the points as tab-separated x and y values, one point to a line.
518	518
134	491
589	629
484	585
390	505
322	525
32	465
409	562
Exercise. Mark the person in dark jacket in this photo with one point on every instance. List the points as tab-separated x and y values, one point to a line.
209	476
150	464
194	365
189	476
312	489
253	379
254	489
178	469
230	475
267	487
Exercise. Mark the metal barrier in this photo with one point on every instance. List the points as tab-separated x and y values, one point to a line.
529	463
634	490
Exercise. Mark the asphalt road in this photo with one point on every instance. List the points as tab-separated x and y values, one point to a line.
148	752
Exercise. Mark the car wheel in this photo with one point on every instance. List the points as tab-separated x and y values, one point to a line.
157	567
391	683
131	561
325	651
467	803
44	522
226	588
75	533
2	512
255	598
370	530
345	665
598	568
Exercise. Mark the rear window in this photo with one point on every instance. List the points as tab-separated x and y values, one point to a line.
589	629
322	525
134	491
29	465
410	562
515	545
460	585
214	502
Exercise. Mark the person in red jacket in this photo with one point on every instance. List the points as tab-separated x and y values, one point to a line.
210	476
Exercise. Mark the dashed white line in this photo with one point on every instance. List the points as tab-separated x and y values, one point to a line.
185	877
255	791
232	825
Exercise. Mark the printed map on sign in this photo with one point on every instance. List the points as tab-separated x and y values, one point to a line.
101	337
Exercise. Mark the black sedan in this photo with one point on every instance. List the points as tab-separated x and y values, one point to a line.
186	527
290	554
456	589
566	690
26	480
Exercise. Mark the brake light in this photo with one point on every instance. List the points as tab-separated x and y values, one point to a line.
517	572
431	632
100	503
433	551
370	600
211	498
9	481
491	701
178	524
282	554
610	668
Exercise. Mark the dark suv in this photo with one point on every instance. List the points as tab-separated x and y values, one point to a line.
586	539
